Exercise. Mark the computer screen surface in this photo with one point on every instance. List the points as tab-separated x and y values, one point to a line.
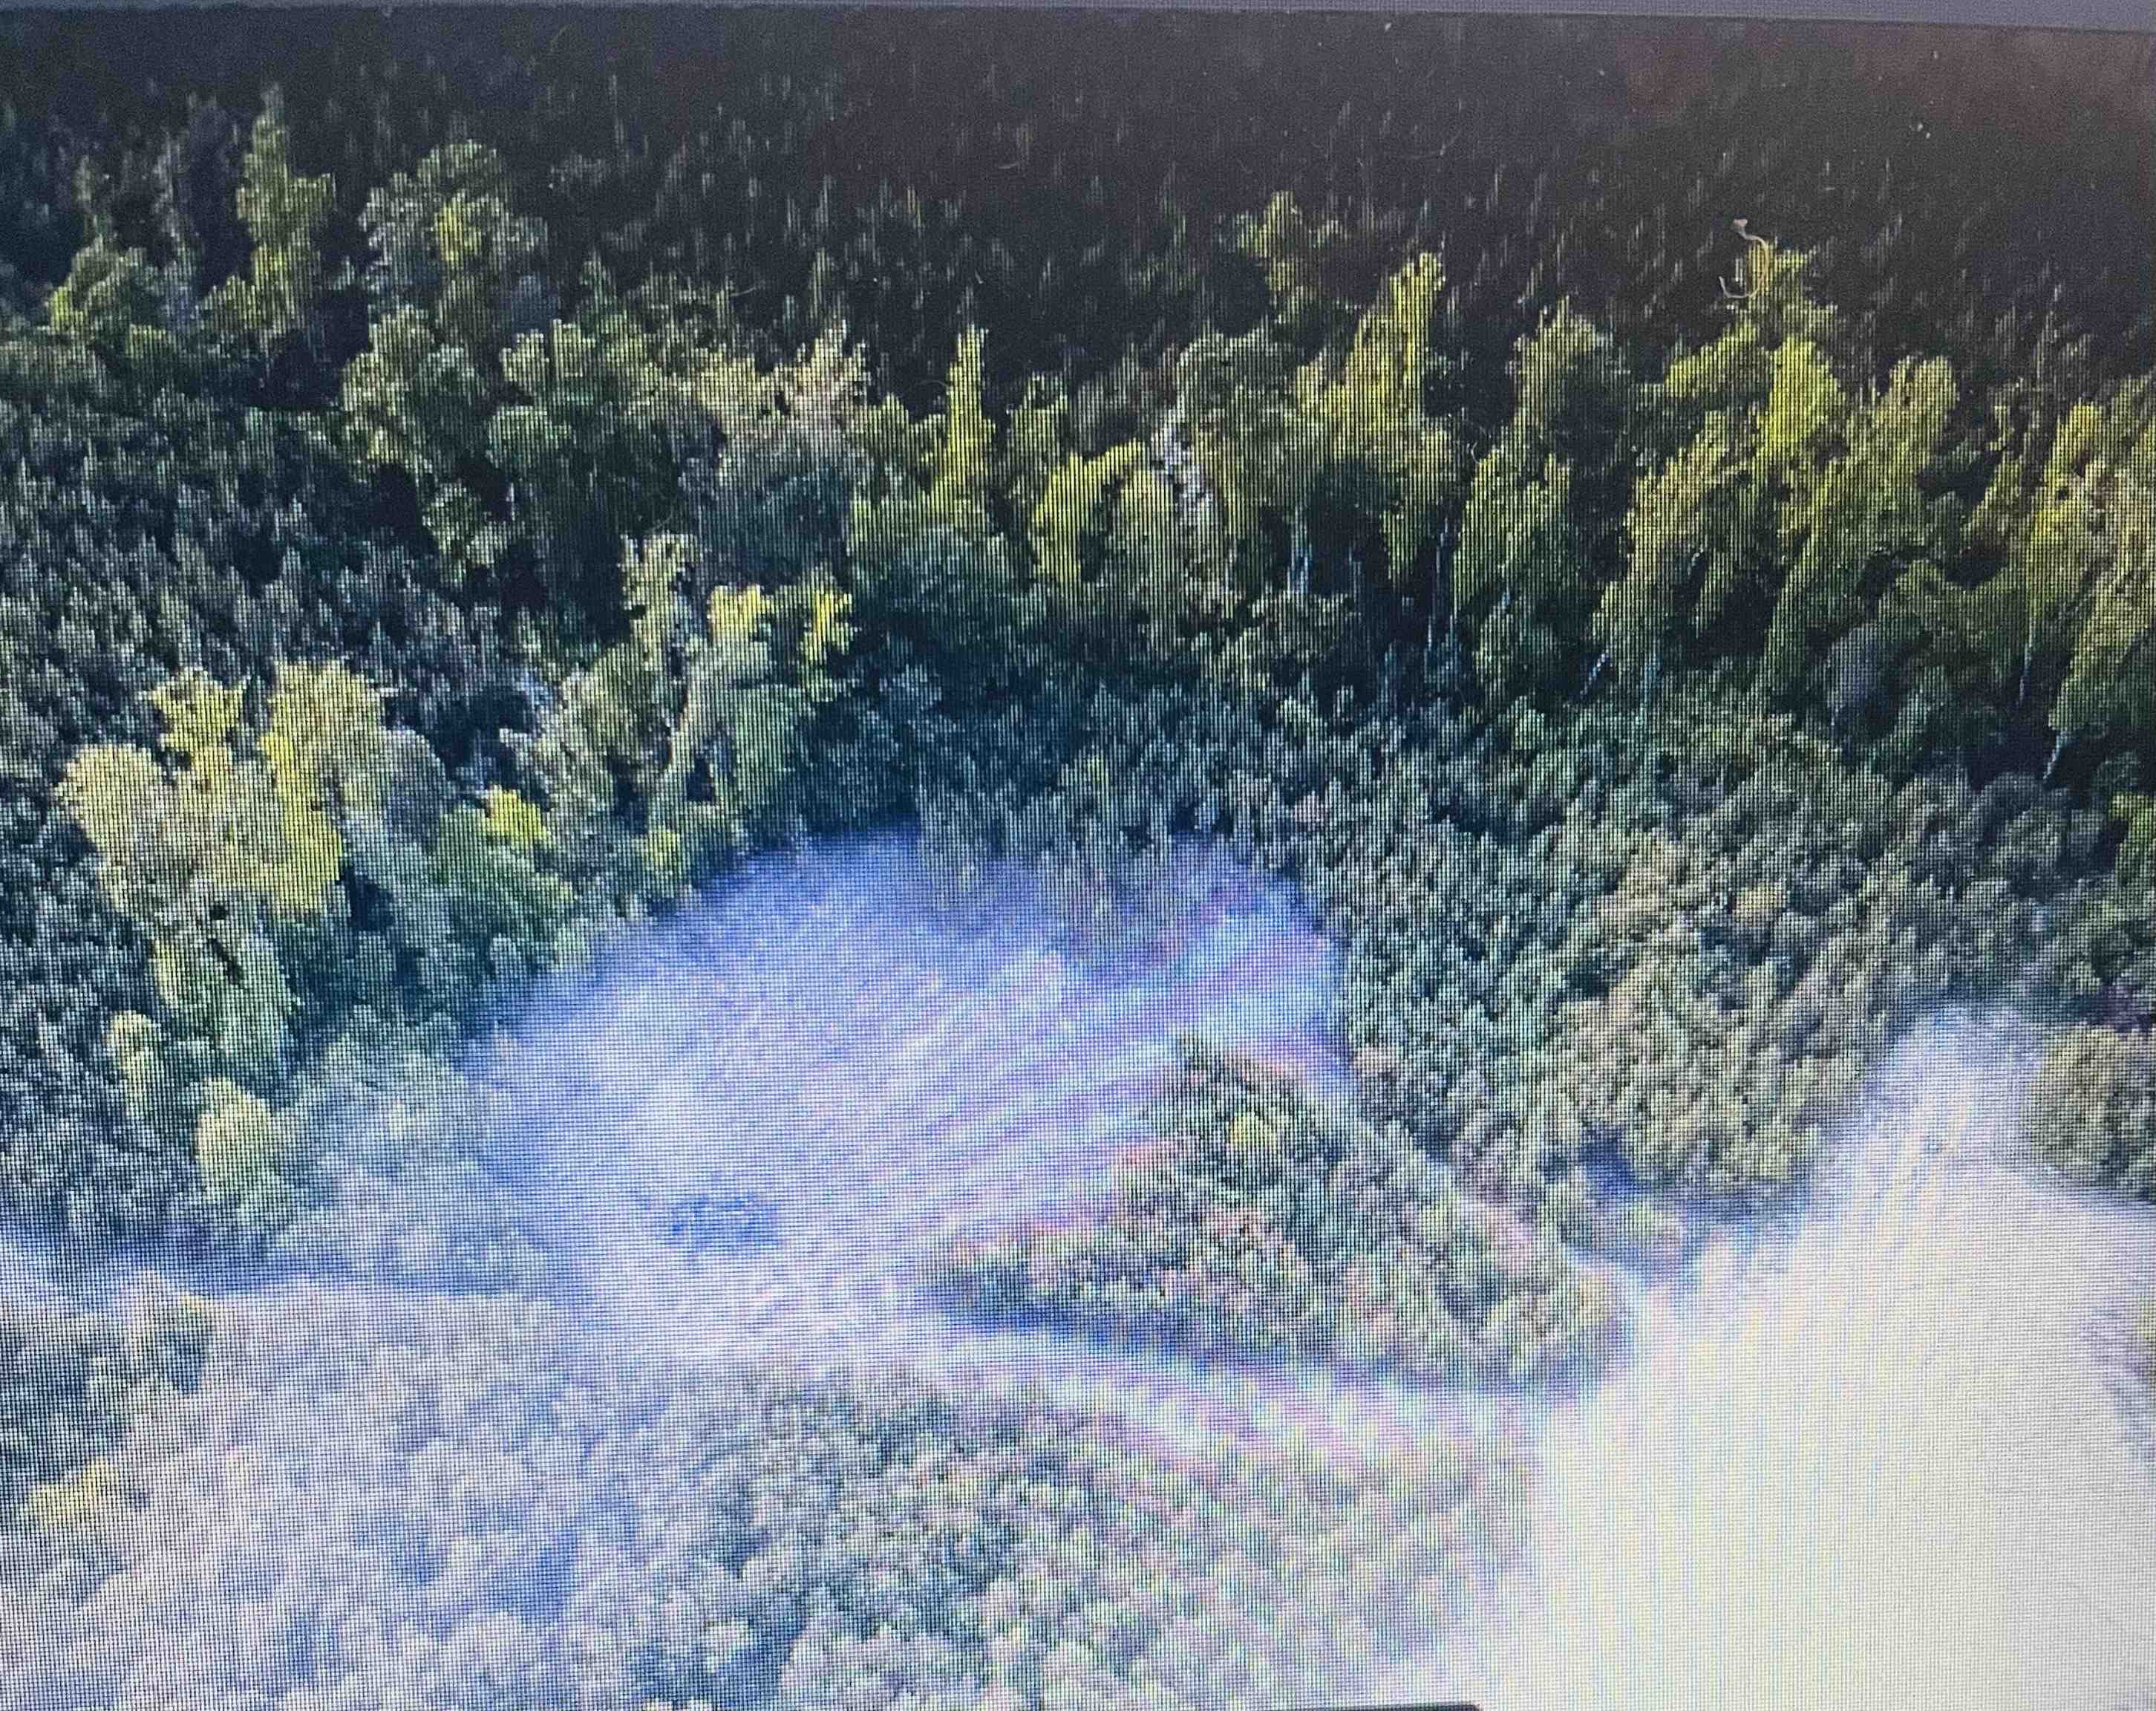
1015	857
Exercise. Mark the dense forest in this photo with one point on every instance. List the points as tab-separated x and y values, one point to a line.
1670	586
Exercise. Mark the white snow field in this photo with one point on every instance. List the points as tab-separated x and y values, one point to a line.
1883	1451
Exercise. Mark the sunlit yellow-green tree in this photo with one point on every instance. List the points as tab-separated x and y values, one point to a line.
1736	434
1385	435
673	749
1863	513
285	213
1278	443
1519	569
244	1151
1256	430
926	569
210	847
1293	254
2109	688
108	301
230	854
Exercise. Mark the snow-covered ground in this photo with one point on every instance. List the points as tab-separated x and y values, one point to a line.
873	1074
1880	1448
1880	1452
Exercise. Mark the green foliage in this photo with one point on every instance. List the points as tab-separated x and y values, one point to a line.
2054	538
466	402
1273	445
2092	1109
513	821
1137	580
1293	255
596	414
1777	303
1260	1223
158	1073
249	872
1033	445
2090	548
1776	918
1259	450
243	1150
70	1385
2106	691
1736	369
676	746
416	402
1806	410
191	851
1692	1063
285	215
2136	863
326	753
489	863
109	298
1866	510
446	242
1793	431
1149	575
1521	565
791	448
1517	541
1740	433
1556	938
2033	617
825	605
772	1540
151	525
1066	511
2145	1330
1679	522
1387	453
1683	941
204	860
961	487
930	581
